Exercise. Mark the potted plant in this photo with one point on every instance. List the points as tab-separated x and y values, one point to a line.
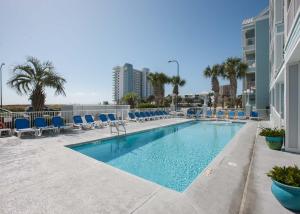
274	137
286	186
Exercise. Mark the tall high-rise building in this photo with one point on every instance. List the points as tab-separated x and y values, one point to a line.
255	39
126	79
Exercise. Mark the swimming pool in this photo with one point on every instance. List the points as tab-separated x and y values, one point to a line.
171	156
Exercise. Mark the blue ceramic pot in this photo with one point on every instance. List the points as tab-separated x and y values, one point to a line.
288	196
275	139
274	142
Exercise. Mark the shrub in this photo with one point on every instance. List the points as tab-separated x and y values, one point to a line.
146	105
268	132
286	175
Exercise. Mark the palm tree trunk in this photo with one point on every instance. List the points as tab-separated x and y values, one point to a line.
156	94
233	89
37	99
216	99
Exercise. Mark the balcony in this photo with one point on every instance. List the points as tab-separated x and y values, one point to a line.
249	44
291	13
251	65
293	33
251	85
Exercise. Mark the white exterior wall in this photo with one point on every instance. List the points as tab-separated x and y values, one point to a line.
285	71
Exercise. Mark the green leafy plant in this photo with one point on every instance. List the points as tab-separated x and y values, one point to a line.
146	105
289	175
268	132
131	99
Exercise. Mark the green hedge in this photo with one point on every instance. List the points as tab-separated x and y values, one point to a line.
146	105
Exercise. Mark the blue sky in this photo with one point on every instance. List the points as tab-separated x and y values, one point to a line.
86	38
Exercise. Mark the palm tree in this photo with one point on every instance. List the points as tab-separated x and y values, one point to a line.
233	69
131	99
158	81
213	73
33	77
176	82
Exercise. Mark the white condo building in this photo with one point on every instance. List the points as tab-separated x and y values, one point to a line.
274	65
126	79
255	42
285	69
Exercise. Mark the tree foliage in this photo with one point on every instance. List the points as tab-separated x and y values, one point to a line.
131	99
158	81
33	77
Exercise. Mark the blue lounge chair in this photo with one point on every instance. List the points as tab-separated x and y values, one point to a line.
78	122
103	119
90	120
149	115
138	116
153	115
143	114
190	113
254	115
166	114
231	115
162	114
41	125
113	120
22	126
241	115
209	113
198	114
58	122
132	117
220	114
158	115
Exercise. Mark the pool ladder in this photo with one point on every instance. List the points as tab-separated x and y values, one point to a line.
118	130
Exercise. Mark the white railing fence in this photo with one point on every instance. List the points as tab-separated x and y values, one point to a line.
262	113
8	118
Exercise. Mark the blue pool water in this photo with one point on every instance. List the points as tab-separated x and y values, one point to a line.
172	156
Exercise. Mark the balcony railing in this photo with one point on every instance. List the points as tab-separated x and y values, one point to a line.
251	65
251	84
291	13
249	41
249	44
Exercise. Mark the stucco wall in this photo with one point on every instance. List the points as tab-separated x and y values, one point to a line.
262	63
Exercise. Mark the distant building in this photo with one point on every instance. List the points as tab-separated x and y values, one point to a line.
126	79
196	99
224	94
224	90
255	42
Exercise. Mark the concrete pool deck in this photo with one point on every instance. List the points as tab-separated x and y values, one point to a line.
41	175
258	196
